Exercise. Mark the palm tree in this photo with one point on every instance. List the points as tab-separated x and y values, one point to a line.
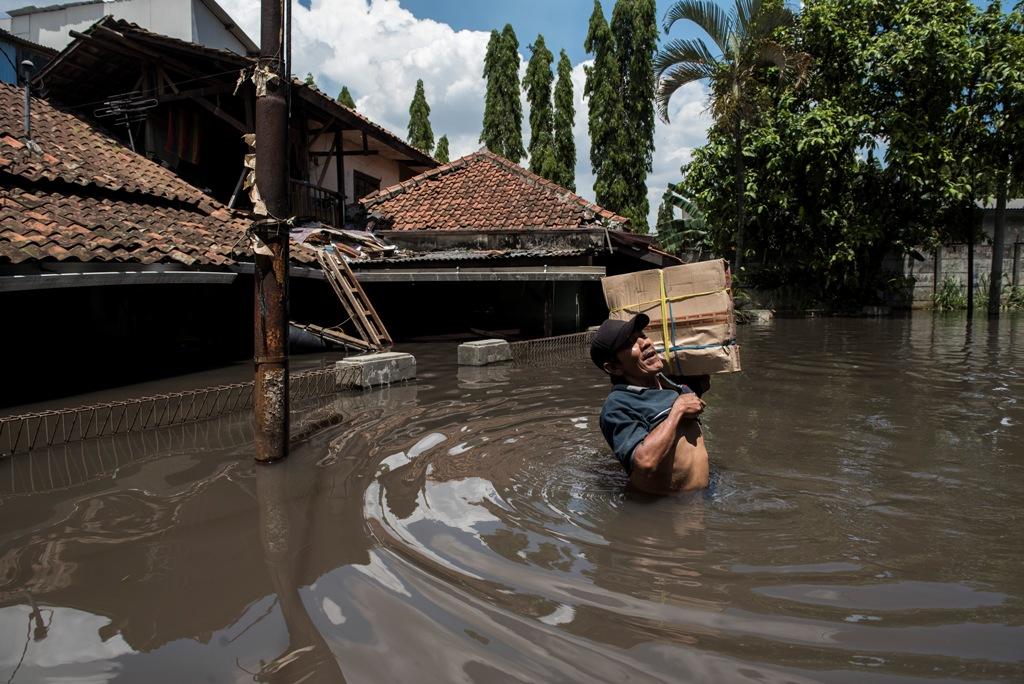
690	233
743	42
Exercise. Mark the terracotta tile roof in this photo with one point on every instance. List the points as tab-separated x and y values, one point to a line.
86	197
74	152
482	191
40	224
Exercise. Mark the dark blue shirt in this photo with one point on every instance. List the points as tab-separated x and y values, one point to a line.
631	412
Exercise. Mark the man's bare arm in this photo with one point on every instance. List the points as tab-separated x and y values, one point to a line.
661	441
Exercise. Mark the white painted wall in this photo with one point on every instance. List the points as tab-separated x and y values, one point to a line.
378	166
208	30
183	19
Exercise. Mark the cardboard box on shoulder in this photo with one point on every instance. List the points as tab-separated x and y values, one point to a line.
690	306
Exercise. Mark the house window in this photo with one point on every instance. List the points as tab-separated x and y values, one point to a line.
363	185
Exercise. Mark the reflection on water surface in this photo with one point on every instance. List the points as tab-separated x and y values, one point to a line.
863	527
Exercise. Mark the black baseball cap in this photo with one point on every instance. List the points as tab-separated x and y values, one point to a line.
614	335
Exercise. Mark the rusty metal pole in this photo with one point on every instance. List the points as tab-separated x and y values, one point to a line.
270	389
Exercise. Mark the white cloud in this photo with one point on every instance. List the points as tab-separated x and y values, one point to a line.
379	49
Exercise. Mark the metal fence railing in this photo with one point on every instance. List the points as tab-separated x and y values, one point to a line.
43	429
552	349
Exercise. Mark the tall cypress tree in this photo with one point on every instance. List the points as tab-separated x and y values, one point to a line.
441	151
605	114
503	114
537	85
635	30
345	98
564	145
420	134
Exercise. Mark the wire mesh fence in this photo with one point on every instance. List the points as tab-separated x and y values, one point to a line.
74	463
552	350
43	429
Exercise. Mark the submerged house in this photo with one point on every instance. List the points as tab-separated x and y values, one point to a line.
203	107
112	268
124	211
489	246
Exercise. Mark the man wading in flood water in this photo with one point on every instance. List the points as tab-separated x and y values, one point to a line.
649	421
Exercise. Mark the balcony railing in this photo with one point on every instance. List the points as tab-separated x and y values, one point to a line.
313	201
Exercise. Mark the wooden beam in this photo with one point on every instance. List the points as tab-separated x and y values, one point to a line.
356	124
221	114
198	92
162	58
323	171
353	153
339	170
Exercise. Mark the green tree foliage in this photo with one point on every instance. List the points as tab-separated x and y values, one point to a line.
742	45
441	151
537	84
421	136
345	98
688	232
310	81
896	132
605	114
564	172
503	113
999	119
635	29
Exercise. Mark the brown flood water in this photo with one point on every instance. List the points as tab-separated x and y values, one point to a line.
864	526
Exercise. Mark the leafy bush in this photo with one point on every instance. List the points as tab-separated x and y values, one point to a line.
1013	298
951	295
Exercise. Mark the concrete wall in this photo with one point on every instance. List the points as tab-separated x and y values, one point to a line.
952	261
184	19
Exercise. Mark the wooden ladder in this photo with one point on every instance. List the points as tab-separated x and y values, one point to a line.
353	298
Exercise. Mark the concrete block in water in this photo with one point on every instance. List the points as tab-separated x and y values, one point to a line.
483	352
371	370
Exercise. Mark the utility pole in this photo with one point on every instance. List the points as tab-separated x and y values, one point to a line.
270	389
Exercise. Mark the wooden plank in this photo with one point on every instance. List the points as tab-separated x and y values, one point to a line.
370	311
371	333
367	306
334	336
330	263
336	286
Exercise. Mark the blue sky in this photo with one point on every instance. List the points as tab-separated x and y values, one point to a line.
562	22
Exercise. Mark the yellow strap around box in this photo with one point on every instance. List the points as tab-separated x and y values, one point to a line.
664	321
665	300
